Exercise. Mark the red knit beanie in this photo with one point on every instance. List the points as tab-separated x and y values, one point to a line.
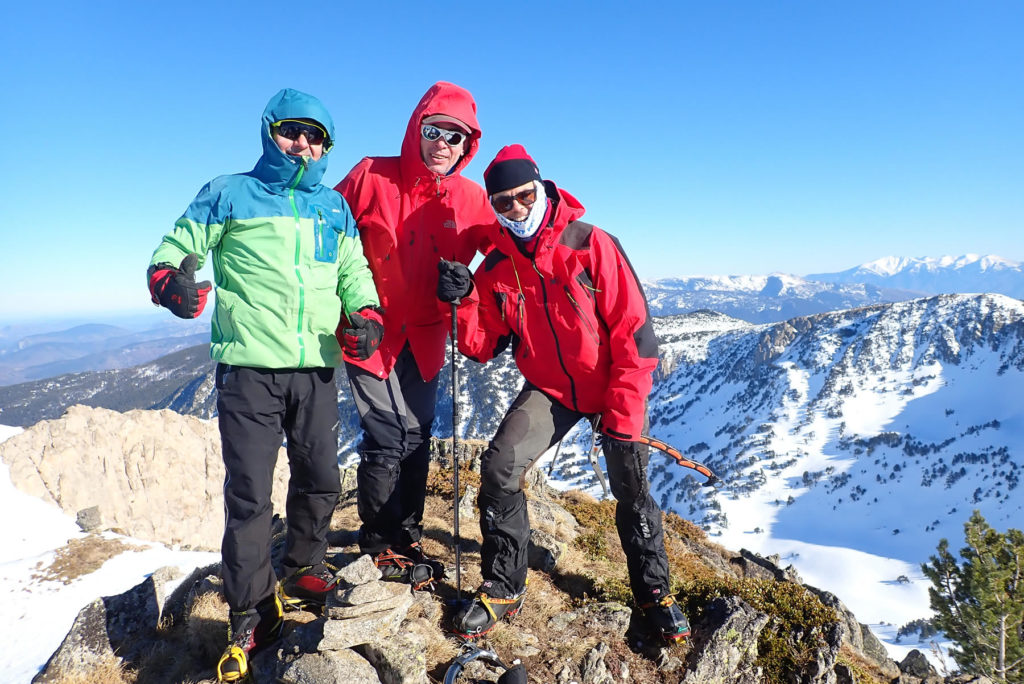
511	167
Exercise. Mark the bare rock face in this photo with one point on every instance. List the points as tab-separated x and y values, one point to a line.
124	625
725	647
154	475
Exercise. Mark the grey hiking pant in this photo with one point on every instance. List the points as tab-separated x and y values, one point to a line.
533	424
257	408
394	455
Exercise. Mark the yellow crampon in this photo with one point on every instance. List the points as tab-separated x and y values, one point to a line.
233	666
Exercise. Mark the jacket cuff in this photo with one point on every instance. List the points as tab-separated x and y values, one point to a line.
620	426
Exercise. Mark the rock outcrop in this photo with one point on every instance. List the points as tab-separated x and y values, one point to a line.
577	625
154	475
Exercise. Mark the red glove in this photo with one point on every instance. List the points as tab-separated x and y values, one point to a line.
176	288
362	337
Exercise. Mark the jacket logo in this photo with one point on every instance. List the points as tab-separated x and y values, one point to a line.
449	223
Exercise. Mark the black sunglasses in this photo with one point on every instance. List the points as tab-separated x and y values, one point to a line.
288	128
432	133
503	203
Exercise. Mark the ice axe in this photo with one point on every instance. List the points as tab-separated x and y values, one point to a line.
680	459
516	674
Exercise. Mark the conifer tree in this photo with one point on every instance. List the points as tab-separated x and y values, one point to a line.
979	601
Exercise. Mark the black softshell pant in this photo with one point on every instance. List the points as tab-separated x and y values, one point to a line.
258	408
533	424
394	454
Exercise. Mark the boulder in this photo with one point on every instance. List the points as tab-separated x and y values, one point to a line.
154	475
725	644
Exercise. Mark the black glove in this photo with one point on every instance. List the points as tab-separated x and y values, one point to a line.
362	337
454	281
176	288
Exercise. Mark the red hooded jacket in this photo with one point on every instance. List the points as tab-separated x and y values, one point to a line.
575	314
409	219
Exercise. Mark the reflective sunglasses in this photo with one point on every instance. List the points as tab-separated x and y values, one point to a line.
432	133
504	203
291	129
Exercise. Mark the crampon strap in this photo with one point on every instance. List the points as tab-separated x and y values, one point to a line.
420	575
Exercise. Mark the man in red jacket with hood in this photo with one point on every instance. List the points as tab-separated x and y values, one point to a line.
566	297
412	210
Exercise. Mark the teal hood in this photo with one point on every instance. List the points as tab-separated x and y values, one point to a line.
277	169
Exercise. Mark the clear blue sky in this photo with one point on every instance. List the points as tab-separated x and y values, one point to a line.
735	137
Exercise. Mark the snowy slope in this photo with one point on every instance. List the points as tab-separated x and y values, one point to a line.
37	613
885	425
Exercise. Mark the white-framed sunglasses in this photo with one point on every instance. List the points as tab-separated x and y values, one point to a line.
432	133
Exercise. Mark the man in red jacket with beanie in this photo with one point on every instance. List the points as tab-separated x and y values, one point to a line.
413	211
564	294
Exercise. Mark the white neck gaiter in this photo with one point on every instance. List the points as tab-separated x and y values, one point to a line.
528	227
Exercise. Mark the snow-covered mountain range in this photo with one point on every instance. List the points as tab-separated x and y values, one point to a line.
877	428
937	275
778	297
762	299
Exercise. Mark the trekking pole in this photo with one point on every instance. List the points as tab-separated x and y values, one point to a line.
455	456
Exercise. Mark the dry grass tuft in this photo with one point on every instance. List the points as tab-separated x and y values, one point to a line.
864	671
109	670
80	557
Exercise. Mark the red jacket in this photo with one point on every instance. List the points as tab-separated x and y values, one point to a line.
575	313
409	219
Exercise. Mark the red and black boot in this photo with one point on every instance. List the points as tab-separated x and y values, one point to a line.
248	632
307	588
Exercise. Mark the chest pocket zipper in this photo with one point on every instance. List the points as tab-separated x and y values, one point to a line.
326	239
586	321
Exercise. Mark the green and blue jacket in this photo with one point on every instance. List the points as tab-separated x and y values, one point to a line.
287	258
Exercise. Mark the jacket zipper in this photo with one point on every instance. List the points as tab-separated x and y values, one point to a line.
319	219
298	272
554	335
579	312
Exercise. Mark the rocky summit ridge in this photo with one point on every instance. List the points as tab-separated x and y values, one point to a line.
753	621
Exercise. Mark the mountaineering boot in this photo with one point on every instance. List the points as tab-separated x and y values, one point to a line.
484	612
667	618
398	567
308	587
249	631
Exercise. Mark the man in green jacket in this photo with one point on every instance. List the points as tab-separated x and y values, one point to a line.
288	264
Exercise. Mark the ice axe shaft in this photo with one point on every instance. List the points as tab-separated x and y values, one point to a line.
595	446
680	459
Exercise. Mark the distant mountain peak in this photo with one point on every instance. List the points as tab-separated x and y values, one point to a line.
936	275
